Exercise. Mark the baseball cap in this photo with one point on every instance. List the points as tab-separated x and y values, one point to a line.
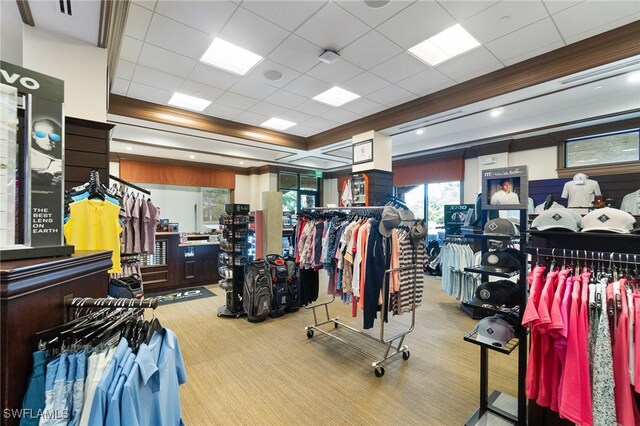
608	219
390	219
501	261
500	227
494	331
560	218
418	231
497	293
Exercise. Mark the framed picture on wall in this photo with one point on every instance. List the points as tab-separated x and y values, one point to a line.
506	188
363	152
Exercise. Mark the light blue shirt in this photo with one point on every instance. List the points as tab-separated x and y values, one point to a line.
136	403
78	387
113	407
172	375
100	398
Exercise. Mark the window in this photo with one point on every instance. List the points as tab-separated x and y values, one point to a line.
213	204
608	148
298	191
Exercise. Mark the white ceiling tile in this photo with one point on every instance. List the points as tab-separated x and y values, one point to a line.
364	84
206	16
252	88
296	53
180	38
307	86
303	131
295	116
130	49
332	28
120	86
147	4
287	14
316	163
320	123
425	82
268	109
236	101
471	64
532	53
261	40
373	16
252	118
464	9
213	76
313	108
155	78
125	70
222	111
363	106
164	60
391	96
257	73
370	50
148	93
204	91
503	18
592	17
416	23
138	19
400	67
340	115
285	99
555	6
335	73
531	38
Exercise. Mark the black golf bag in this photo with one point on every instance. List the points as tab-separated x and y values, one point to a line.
293	284
278	268
257	296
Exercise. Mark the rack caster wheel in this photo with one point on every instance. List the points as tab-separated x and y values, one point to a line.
309	334
335	325
379	371
406	355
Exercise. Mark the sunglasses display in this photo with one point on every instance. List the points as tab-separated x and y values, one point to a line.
52	136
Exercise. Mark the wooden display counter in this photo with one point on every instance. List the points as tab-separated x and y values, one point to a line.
32	295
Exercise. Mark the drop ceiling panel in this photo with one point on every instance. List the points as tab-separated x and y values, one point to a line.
295	116
297	53
120	86
148	93
373	16
503	18
370	50
199	90
176	37
470	64
555	6
313	108
125	69
541	36
222	111
425	82
206	16
391	96
285	99
424	18
399	67
237	101
164	60
363	106
332	28
213	76
340	115
465	9
307	86
303	131
364	84
335	73
252	118
287	14
138	19
130	49
154	78
319	123
236	31
252	88
267	109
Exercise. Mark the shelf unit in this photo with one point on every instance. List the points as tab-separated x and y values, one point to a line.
233	258
487	401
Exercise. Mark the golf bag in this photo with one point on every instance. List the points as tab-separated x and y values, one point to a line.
278	269
257	295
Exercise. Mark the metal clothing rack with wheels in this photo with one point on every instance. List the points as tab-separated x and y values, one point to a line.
393	345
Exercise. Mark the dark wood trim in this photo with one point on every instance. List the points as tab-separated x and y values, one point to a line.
135	108
487	149
459	153
614	45
25	12
81	122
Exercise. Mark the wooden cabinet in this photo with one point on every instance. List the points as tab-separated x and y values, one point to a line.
198	264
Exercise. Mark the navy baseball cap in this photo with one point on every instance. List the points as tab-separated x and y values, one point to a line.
497	294
502	261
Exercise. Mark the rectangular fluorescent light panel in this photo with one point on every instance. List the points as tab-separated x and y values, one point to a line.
189	102
229	57
445	45
336	96
278	124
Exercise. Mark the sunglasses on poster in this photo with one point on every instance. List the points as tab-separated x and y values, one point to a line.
52	136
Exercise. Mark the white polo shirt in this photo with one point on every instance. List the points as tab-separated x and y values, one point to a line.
580	195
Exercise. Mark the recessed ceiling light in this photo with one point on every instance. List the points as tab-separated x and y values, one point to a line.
336	96
376	4
445	45
189	102
242	162
419	131
634	77
278	123
496	112
598	87
273	75
192	156
129	148
230	57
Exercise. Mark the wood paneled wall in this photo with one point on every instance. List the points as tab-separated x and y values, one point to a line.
86	148
139	171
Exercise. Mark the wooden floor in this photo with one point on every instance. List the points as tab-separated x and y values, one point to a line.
269	373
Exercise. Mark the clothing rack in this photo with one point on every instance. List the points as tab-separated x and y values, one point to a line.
612	258
390	349
108	302
129	184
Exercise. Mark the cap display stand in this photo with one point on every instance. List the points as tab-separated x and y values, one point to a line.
489	403
233	258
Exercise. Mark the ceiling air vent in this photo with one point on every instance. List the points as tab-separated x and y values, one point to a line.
65	7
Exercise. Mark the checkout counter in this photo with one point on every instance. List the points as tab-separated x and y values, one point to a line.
179	264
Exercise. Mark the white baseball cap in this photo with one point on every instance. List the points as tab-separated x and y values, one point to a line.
561	218
608	219
494	331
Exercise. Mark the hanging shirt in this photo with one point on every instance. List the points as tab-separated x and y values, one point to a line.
604	406
624	398
150	235
580	194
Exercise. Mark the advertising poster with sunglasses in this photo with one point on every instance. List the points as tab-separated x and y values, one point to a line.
44	125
